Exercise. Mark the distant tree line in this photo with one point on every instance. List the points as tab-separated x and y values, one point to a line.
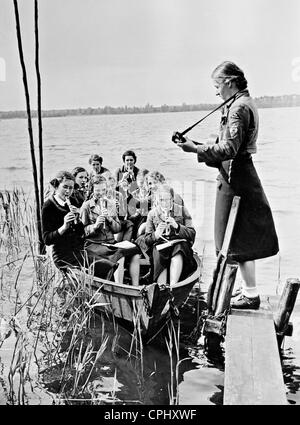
261	102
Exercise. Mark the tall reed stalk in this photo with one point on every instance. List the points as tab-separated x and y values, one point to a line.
30	132
39	103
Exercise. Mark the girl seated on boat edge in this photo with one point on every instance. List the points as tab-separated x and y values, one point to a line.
101	223
168	222
64	232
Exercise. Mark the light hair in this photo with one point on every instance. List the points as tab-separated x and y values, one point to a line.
163	188
98	180
157	176
229	71
96	158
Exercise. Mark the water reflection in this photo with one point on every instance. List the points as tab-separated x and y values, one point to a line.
170	370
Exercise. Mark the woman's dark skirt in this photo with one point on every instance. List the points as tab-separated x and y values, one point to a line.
110	253
162	259
254	234
103	268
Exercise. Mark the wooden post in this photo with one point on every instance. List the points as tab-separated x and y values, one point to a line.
215	324
213	290
226	288
285	307
220	290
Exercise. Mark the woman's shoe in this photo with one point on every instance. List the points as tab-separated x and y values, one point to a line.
243	302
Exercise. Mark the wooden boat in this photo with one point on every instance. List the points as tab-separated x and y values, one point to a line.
147	307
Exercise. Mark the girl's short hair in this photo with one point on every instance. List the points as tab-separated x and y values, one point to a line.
78	170
164	188
229	71
60	176
98	180
129	153
157	176
96	157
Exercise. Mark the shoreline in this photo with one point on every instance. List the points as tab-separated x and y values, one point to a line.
82	112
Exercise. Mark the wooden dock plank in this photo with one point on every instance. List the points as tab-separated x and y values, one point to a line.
253	374
269	388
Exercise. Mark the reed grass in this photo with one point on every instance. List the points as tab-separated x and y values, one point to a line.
50	300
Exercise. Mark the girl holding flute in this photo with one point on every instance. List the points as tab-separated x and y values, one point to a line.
168	222
101	223
64	232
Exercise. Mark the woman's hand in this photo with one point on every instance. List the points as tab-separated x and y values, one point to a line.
69	218
188	145
106	215
73	209
100	221
160	230
124	185
171	221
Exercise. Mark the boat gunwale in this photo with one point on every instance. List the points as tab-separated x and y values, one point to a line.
138	289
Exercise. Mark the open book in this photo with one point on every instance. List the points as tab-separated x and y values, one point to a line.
168	244
122	244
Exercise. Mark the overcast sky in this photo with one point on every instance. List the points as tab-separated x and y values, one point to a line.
131	52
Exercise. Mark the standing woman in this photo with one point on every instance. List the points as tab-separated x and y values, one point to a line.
254	235
63	230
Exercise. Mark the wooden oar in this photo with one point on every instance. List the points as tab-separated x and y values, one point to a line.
213	290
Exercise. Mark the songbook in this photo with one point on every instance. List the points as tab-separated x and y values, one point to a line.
125	244
168	244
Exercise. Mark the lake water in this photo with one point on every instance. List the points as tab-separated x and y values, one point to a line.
69	141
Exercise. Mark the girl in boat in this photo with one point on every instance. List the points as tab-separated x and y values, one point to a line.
100	220
96	163
153	180
126	184
97	170
65	232
80	191
126	175
122	200
140	205
254	235
114	195
175	262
